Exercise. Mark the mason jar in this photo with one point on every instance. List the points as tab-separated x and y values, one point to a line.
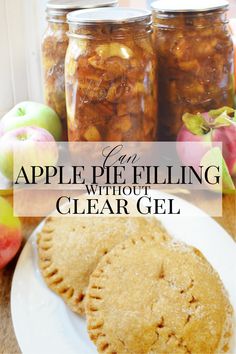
54	46
111	89
195	60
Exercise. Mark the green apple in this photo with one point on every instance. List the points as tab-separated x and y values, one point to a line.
6	187
32	114
215	157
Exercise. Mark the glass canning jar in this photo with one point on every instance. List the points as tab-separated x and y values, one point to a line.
111	89
195	60
54	46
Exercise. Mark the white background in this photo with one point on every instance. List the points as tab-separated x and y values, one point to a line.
21	28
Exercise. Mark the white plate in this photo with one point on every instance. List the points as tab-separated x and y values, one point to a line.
44	325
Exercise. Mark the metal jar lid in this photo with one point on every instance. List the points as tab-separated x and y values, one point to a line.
118	15
188	5
71	5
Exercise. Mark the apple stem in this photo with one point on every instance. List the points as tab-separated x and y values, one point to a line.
21	112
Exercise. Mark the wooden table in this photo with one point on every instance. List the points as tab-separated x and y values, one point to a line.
8	343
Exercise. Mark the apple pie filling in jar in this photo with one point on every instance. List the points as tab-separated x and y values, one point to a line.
54	47
111	89
195	60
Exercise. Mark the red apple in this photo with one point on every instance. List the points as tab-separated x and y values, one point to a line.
25	141
192	147
227	135
10	233
209	129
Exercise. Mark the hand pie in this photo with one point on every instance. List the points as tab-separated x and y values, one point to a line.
71	247
152	297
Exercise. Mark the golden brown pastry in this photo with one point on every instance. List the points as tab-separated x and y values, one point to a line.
71	247
152	297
